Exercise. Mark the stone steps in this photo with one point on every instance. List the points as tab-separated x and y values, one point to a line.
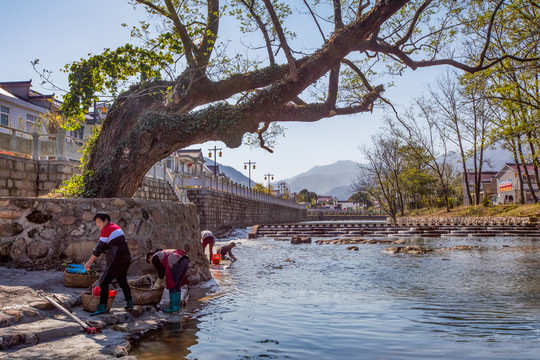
366	230
37	332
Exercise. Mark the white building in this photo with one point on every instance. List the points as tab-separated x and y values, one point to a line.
22	108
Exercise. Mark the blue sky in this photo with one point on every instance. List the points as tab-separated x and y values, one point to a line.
60	31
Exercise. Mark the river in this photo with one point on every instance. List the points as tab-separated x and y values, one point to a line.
331	303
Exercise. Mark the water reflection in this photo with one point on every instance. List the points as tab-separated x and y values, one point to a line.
174	341
324	302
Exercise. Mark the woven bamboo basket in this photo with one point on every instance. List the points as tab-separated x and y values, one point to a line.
79	280
90	302
146	296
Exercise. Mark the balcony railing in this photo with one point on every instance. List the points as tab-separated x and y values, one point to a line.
39	146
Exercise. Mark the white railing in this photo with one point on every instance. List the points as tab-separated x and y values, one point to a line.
184	182
39	146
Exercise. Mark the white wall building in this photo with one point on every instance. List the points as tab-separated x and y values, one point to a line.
22	108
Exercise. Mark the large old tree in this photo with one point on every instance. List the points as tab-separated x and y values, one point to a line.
187	79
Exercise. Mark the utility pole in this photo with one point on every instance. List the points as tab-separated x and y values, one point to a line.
215	150
268	177
247	165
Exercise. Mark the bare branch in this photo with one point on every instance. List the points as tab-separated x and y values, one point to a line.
282	39
181	30
361	7
263	29
488	35
359	72
155	8
315	19
262	142
414	20
210	36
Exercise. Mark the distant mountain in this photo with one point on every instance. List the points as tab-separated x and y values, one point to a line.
231	172
334	179
494	160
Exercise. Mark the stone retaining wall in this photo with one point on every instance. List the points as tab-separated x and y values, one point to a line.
21	177
219	210
40	233
155	189
468	220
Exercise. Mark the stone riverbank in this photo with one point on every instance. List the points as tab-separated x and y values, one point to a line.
30	328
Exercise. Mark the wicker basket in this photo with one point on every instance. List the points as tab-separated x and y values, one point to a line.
146	296
90	302
79	280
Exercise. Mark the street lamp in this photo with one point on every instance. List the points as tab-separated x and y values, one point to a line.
216	153
283	187
268	177
247	165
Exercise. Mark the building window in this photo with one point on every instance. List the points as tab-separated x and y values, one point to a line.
4	116
32	123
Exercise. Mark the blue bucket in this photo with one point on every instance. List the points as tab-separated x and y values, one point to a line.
76	269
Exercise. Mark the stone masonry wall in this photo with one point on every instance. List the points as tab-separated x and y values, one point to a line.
155	189
219	210
27	177
20	177
41	233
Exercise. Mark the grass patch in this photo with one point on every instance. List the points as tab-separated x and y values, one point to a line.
509	210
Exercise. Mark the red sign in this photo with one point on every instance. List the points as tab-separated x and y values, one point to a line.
505	185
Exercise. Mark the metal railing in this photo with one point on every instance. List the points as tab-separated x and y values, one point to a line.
184	182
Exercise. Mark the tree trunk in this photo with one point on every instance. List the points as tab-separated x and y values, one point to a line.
520	178
534	159
524	163
464	164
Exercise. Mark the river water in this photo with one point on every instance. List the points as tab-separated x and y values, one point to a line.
331	303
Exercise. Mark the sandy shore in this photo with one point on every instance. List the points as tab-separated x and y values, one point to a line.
30	328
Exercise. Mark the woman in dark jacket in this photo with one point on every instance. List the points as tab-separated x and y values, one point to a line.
113	243
172	265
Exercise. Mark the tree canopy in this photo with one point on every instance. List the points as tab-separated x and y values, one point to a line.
200	70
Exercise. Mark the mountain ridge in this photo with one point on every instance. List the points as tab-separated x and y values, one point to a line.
332	180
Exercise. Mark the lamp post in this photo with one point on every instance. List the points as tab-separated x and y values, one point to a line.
282	186
247	165
215	150
268	177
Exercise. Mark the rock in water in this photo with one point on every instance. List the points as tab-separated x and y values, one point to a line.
353	248
300	240
415	250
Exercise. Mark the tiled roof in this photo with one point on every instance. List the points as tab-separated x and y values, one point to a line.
16	83
530	168
194	153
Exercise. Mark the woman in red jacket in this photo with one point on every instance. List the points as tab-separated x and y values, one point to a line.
113	244
172	265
